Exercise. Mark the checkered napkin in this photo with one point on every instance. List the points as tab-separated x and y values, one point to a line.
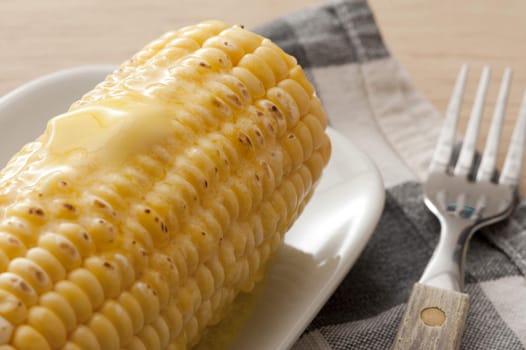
370	99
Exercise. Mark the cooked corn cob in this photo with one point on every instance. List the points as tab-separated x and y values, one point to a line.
138	216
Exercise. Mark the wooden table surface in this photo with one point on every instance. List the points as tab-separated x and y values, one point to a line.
430	39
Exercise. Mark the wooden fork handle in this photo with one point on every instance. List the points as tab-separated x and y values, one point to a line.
433	320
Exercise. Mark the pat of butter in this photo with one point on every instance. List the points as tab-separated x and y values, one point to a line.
106	135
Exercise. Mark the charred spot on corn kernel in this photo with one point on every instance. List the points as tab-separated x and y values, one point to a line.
243	138
68	248
36	211
16	225
235	100
217	103
69	207
39	275
21	284
99	204
243	89
259	136
14	241
275	111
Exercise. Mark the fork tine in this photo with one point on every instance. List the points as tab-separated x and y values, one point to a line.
512	165
446	140
465	159
489	157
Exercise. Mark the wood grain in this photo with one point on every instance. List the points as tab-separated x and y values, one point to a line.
432	39
433	320
39	37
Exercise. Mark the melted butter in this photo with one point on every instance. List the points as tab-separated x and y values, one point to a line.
224	335
85	141
106	136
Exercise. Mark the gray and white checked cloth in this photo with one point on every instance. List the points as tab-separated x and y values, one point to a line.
370	99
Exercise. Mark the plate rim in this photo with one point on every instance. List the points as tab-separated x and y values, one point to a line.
48	78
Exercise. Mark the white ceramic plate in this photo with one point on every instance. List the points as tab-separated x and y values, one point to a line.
319	250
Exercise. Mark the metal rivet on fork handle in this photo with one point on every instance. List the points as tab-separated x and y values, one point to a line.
433	316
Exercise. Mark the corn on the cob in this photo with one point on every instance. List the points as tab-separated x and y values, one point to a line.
138	216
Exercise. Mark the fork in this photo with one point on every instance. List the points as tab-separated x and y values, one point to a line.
464	197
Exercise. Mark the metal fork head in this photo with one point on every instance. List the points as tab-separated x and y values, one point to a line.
463	197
